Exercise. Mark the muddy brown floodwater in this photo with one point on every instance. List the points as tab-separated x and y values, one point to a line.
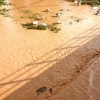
60	66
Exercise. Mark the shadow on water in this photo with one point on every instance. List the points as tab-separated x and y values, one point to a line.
53	77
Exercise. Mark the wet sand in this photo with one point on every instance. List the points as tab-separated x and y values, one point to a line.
67	61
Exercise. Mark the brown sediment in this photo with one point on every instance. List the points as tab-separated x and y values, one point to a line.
74	73
31	59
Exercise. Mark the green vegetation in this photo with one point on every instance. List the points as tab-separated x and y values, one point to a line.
31	27
70	0
27	24
53	28
26	11
3	10
35	16
89	2
2	2
41	27
29	15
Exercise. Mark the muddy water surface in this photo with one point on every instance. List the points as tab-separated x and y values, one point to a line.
67	61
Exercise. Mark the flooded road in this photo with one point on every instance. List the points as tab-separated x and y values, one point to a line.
67	61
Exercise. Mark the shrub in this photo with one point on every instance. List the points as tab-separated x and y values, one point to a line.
53	28
91	2
84	1
31	27
27	24
2	2
41	27
5	10
70	0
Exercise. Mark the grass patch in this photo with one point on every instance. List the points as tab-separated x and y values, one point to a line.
31	26
35	16
89	2
25	11
53	28
27	24
5	11
2	2
40	27
29	15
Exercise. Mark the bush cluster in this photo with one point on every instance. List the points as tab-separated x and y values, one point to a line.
31	26
53	28
41	27
89	2
2	2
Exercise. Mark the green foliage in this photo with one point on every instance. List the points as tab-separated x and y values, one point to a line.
2	2
36	16
27	11
91	2
41	27
27	24
53	28
95	2
31	27
84	1
70	0
5	12
29	15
